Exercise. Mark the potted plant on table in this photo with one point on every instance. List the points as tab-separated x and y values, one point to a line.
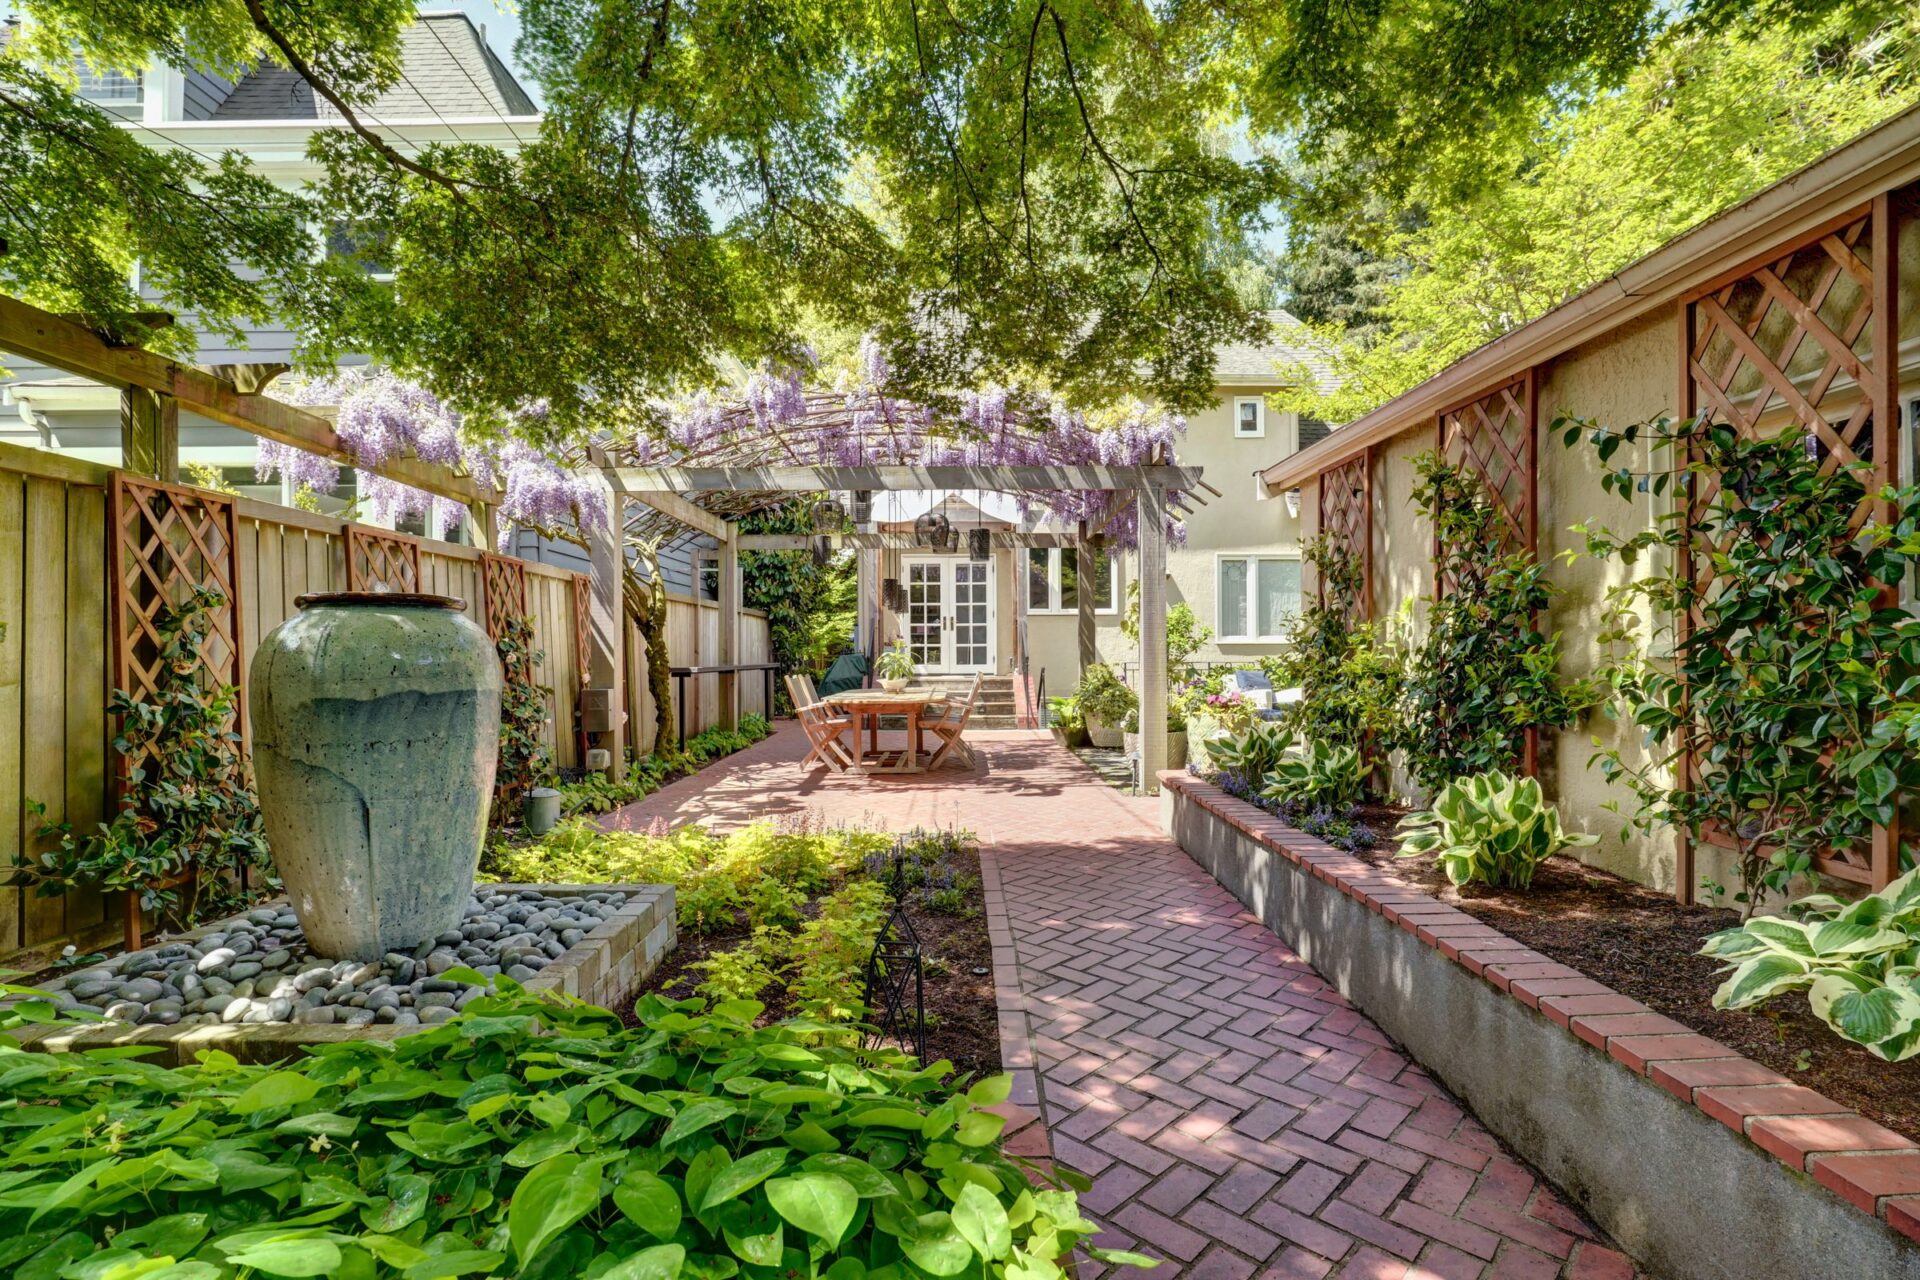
1104	701
894	667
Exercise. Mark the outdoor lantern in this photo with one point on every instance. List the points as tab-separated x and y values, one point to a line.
949	539
979	544
822	551
931	529
893	595
828	516
1293	503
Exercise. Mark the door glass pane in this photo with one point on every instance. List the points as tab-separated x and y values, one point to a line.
924	600
1233	598
971	644
1037	594
1279	595
1069	579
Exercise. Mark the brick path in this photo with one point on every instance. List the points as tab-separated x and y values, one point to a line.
1237	1116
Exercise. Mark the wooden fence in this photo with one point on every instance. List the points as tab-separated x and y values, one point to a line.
57	642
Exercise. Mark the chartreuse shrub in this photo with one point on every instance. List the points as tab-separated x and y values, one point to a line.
1321	776
597	793
1489	829
1858	962
539	1139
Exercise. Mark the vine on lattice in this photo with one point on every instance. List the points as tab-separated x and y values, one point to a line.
381	561
503	587
1346	522
1492	437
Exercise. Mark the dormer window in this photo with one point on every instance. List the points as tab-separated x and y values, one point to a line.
1249	417
114	92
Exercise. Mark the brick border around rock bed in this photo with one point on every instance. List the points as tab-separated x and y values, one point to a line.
606	968
1699	1161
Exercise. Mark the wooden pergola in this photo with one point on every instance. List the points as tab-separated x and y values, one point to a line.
688	496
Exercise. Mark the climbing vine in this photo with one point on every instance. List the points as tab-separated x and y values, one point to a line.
525	762
1485	673
188	829
808	598
1793	691
1349	677
646	601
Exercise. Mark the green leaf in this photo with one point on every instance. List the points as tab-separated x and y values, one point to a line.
407	1201
891	1117
978	1128
820	1204
544	1146
982	1220
277	1089
312	1257
701	1115
549	1200
743	1175
660	1262
1763	976
936	1246
460	1262
650	1202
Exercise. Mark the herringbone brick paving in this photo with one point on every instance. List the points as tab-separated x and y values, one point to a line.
1237	1116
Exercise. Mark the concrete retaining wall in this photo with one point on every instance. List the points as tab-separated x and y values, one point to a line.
1699	1162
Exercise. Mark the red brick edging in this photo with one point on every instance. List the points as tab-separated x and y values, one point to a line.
1026	1133
1870	1166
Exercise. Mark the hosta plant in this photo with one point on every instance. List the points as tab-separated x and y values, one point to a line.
1324	775
1489	829
1253	754
537	1139
1859	963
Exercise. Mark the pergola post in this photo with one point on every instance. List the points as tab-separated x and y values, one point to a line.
606	618
730	626
150	433
1152	538
1083	584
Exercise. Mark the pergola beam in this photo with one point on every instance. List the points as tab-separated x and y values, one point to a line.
998	479
66	344
674	507
890	541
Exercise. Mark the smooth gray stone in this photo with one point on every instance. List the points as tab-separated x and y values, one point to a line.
522	972
216	959
407	1018
126	1011
435	1016
313	979
434	1000
218	985
439	984
441	961
142	989
279	1009
263	915
98	987
386	1013
357	1018
315	1015
278	958
376	727
241	970
244	987
238	1009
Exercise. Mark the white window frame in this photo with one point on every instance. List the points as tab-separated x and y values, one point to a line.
1112	605
1259	431
1252	560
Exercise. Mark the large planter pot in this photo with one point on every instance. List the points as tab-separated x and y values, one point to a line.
1102	734
376	727
1176	747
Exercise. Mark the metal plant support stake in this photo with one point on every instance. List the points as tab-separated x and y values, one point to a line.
895	995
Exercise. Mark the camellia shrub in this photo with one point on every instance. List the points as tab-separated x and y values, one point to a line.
534	1138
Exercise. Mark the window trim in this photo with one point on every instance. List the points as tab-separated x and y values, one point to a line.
1252	601
1053	584
1259	431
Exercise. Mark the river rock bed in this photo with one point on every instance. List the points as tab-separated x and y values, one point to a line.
257	968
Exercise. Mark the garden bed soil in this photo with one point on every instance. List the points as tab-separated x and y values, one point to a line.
1643	944
962	1020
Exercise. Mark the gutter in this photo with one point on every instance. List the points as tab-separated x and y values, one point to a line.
1846	178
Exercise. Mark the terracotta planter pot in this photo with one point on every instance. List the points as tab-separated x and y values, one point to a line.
376	728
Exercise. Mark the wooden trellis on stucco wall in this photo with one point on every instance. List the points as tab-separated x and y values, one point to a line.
378	561
1801	337
582	621
1346	517
503	586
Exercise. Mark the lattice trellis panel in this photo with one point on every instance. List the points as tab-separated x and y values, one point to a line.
166	540
1346	517
1494	437
583	627
379	561
1799	339
503	584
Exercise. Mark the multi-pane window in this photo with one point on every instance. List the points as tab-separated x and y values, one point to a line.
1257	598
1053	581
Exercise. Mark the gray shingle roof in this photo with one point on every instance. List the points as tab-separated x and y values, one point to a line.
1288	345
447	72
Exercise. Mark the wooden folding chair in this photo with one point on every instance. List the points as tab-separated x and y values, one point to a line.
824	730
951	728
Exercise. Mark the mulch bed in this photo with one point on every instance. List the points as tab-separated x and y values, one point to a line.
957	961
1642	944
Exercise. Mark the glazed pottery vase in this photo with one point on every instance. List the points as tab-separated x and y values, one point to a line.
376	728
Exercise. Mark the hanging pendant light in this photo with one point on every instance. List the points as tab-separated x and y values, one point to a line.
931	529
822	551
893	595
828	516
862	506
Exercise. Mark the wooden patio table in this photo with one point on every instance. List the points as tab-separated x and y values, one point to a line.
870	705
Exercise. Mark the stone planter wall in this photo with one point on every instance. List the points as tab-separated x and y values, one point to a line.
1700	1162
607	967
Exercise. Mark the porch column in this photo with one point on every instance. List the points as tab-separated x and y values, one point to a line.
606	617
149	434
1152	509
729	626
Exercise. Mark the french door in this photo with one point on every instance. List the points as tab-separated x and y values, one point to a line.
948	622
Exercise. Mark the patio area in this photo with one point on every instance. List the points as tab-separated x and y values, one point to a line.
1237	1116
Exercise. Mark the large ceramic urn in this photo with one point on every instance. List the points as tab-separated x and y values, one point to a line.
376	727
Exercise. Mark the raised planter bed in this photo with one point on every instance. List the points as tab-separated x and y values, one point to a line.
1698	1160
606	967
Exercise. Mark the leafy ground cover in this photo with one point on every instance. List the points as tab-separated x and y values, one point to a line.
787	913
596	793
538	1138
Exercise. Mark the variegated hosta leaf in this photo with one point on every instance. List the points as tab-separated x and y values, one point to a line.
1765	975
1732	944
1882	1018
1782	935
1841	938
